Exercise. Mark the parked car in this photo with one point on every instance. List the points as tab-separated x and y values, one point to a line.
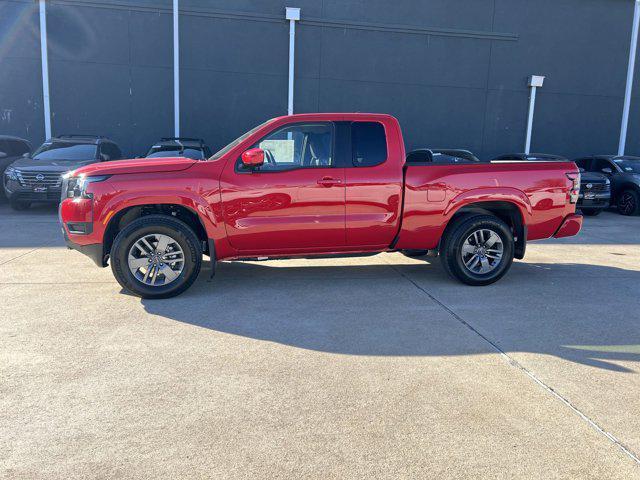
595	190
38	177
193	148
624	174
11	149
531	157
312	184
441	155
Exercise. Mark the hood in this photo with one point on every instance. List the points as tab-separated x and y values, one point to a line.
592	177
28	164
138	165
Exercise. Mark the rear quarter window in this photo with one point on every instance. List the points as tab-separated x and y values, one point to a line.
369	144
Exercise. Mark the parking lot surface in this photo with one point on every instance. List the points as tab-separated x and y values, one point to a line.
376	367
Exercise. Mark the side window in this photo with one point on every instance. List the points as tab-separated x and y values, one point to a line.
599	164
109	151
20	148
582	163
368	143
296	146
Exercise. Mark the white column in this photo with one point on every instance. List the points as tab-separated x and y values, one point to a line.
293	15
630	72
176	70
45	69
535	81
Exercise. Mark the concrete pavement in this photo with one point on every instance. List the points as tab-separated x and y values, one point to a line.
378	367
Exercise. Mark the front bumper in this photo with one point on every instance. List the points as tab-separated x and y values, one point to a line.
95	251
570	226
594	200
14	191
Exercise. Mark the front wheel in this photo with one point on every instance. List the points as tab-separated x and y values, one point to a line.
156	257
478	250
629	202
591	212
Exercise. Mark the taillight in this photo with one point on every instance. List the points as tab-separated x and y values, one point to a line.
574	193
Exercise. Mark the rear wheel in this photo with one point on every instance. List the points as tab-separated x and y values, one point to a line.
478	250
591	212
156	257
629	202
18	205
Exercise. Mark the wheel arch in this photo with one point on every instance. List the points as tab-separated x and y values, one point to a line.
509	211
123	217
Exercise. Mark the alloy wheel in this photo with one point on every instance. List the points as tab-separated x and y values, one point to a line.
626	204
482	251
156	259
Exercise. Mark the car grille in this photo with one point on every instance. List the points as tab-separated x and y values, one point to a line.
595	187
31	179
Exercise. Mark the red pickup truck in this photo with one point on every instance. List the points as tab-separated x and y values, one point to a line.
312	184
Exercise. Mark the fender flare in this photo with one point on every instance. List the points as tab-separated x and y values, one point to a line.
188	200
497	194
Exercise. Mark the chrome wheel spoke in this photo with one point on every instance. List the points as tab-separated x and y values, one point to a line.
482	251
156	265
169	274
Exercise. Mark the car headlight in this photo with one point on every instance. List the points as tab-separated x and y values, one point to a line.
607	181
76	187
11	173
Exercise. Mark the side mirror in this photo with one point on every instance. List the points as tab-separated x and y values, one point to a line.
581	170
607	170
26	155
3	155
254	157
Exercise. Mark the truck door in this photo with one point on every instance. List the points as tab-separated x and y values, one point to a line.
374	184
295	201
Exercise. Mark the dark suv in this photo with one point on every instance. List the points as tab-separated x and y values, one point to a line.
193	148
624	174
38	177
595	189
11	149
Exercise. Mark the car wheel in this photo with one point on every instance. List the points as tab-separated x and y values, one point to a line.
629	202
156	257
591	212
18	205
478	250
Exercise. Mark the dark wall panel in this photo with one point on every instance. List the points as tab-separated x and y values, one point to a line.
111	73
21	110
454	72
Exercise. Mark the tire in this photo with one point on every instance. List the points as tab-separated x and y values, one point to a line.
19	206
125	247
459	237
591	212
628	203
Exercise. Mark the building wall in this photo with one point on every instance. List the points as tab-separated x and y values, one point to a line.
453	71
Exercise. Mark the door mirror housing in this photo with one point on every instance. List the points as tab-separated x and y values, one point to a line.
3	155
607	170
254	157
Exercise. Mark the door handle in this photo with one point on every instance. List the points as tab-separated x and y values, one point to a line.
329	181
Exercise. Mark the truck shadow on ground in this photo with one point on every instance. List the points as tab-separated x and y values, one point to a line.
583	313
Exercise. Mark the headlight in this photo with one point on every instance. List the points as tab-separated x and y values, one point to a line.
607	181
11	173
76	187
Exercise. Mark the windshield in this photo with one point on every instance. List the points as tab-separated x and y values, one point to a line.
66	151
630	166
163	152
237	141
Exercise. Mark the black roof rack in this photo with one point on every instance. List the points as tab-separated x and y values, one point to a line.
75	135
180	139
